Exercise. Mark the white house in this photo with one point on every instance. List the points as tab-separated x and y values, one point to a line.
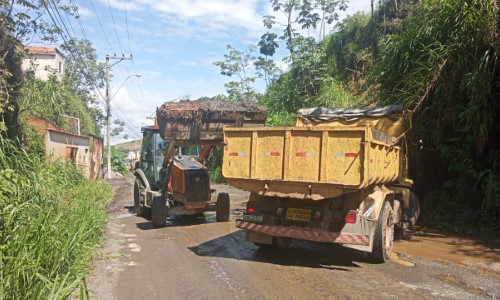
44	61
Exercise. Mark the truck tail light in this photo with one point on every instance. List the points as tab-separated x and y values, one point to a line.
250	207
351	217
279	212
317	215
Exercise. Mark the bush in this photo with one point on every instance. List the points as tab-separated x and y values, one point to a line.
117	160
51	219
215	166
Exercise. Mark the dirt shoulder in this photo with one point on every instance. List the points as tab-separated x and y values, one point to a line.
455	249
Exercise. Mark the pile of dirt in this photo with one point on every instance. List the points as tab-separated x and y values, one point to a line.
203	120
206	107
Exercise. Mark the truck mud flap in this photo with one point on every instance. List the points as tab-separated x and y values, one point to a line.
311	234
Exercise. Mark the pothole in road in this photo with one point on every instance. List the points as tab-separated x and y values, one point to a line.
457	281
394	257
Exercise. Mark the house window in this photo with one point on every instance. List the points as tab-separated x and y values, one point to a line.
60	67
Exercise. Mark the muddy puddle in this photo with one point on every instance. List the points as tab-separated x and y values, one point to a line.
448	248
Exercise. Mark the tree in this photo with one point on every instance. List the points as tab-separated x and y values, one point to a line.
52	99
329	13
118	128
86	73
238	63
306	13
20	26
266	68
10	76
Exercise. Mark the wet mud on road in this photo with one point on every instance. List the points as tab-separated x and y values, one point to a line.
199	258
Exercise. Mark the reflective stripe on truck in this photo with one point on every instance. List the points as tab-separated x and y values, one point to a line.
306	233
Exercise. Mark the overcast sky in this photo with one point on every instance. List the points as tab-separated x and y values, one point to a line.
174	44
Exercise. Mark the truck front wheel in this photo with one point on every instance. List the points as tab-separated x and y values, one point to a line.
384	235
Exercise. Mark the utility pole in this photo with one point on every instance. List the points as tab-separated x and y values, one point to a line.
108	104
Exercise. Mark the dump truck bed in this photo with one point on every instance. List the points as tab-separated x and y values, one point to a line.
310	162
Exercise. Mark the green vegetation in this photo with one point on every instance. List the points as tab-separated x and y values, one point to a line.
117	160
52	99
51	218
444	66
215	166
50	223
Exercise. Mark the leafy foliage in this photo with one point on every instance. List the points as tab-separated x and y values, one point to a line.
52	99
118	162
237	63
50	223
215	166
303	13
444	65
20	22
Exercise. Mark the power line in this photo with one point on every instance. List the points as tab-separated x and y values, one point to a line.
78	17
102	28
133	62
126	24
114	24
60	23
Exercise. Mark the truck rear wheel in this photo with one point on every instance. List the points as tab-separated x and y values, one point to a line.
223	207
414	210
158	211
281	243
139	207
384	235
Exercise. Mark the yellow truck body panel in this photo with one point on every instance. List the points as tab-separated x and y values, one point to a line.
312	162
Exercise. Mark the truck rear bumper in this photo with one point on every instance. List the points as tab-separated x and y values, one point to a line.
311	234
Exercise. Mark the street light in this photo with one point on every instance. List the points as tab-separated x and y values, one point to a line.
108	116
123	83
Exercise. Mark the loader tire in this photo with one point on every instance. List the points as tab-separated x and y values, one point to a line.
140	209
384	235
222	211
158	211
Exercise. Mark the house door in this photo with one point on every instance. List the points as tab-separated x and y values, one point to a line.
71	154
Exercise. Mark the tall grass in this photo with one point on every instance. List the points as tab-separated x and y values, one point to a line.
51	220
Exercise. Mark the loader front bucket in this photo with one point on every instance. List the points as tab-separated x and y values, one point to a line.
202	121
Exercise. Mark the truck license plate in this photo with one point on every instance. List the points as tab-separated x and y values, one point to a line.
253	218
298	214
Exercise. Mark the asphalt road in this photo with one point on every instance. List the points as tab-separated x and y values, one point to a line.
198	258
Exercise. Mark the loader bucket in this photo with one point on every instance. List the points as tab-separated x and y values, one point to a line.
201	121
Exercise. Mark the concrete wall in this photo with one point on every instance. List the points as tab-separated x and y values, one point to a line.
77	148
60	144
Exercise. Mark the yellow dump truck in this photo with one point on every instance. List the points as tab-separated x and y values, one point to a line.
338	176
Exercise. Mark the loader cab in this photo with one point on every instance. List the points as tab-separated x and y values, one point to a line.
153	153
190	151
